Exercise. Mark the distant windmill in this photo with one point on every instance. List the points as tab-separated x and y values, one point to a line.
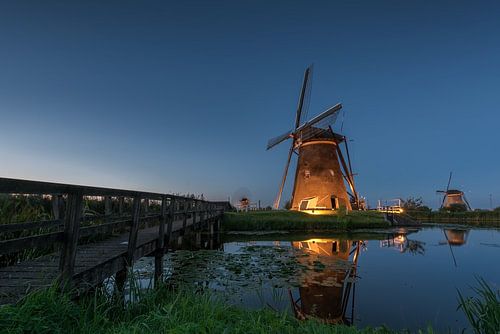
319	179
241	199
453	197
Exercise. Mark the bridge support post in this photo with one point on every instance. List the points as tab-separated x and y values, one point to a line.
184	220
120	205
56	206
171	218
71	231
134	228
160	244
107	206
121	276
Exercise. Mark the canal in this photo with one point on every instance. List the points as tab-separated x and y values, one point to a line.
402	278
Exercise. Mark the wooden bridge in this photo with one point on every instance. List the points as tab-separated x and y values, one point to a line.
80	248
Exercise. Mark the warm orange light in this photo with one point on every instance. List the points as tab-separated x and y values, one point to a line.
400	239
319	212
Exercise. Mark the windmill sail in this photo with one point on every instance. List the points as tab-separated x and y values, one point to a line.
276	140
320	124
304	98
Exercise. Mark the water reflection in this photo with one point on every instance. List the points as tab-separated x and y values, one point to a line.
340	279
403	244
325	291
456	237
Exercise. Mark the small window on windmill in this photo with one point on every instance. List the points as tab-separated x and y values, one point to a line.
307	174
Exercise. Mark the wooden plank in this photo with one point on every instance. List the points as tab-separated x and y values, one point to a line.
70	241
36	241
30	225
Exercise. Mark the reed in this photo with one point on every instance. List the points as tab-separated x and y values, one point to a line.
483	309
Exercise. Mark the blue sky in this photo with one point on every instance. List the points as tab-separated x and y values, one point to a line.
183	96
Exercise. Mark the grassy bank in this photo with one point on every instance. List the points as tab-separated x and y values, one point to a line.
158	311
472	218
298	221
163	310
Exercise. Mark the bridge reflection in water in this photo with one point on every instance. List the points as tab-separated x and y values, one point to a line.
326	290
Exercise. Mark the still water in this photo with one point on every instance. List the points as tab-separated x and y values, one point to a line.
405	279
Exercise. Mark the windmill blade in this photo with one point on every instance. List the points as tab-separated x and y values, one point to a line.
449	181
320	124
342	124
304	98
280	192
467	202
451	250
276	140
323	120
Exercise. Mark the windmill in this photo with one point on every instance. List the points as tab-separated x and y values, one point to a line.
453	197
319	180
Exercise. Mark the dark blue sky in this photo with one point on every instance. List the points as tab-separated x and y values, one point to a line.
183	96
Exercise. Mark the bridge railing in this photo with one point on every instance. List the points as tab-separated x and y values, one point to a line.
67	219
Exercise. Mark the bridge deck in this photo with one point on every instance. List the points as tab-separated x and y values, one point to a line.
94	262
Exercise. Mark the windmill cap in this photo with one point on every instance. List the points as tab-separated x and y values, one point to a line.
454	192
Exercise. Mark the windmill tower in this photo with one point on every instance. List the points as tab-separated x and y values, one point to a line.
319	179
452	197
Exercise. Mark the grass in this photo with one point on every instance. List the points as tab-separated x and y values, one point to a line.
471	218
482	310
298	221
163	310
158	311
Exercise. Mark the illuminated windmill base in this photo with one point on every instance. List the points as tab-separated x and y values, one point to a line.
454	197
319	183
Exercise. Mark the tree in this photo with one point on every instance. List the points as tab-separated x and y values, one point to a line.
414	204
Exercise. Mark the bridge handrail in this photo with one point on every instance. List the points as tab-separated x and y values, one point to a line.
71	222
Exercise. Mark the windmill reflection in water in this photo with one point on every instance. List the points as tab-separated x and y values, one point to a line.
325	292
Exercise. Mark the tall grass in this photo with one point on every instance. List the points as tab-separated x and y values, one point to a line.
185	310
299	221
161	310
482	310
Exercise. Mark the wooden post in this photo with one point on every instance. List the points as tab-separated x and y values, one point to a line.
55	206
107	206
120	279
184	221
195	207
160	244
70	241
120	205
171	216
134	228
